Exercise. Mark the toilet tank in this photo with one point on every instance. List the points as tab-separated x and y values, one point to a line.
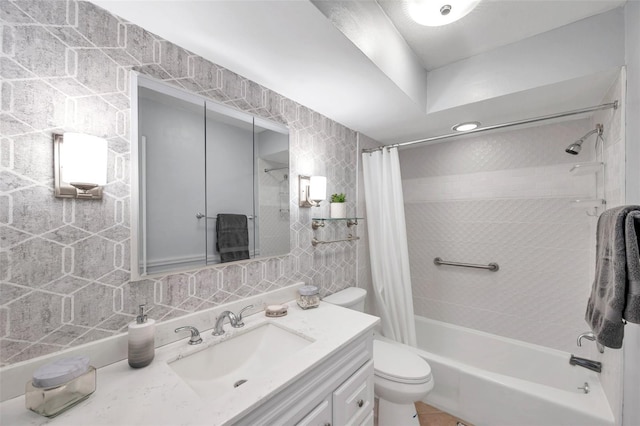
352	298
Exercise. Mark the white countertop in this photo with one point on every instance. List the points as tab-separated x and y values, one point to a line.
156	395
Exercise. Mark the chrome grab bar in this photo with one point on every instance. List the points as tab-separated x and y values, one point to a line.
200	216
493	267
316	241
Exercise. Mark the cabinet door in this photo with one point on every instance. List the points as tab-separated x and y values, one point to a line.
319	416
353	400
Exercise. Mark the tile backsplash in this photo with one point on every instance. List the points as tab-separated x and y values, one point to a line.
64	264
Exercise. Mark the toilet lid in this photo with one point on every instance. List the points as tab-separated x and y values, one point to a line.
394	362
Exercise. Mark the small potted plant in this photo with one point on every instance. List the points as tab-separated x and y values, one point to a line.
338	206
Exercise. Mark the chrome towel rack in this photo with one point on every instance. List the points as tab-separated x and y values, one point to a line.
493	267
200	216
315	241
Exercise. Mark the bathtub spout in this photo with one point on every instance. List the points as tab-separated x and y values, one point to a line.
586	363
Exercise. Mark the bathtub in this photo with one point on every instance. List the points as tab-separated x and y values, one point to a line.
490	380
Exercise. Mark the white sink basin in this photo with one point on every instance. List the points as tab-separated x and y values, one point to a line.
221	368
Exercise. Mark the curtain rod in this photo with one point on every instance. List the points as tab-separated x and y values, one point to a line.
613	105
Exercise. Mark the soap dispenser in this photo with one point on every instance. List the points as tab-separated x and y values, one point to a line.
141	340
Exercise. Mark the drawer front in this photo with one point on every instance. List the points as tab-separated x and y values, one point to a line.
353	400
319	416
368	421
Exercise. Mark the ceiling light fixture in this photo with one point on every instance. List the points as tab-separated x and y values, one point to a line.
465	127
437	13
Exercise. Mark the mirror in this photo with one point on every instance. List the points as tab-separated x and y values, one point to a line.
211	186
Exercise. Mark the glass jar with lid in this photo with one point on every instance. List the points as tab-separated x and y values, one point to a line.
308	297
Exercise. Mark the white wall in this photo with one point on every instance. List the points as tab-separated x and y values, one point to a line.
505	198
586	47
631	413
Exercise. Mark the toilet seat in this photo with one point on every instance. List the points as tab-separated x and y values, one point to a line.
397	364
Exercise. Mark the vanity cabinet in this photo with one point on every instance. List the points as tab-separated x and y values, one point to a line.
350	404
337	391
322	415
353	400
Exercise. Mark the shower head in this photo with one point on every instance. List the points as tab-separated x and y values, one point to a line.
574	148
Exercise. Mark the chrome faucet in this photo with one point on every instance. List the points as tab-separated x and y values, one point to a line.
590	336
218	330
234	320
586	363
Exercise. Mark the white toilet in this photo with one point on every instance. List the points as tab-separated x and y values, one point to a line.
401	377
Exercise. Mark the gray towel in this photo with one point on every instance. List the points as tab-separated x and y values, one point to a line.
232	237
632	231
615	294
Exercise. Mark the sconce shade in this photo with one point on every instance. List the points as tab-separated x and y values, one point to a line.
318	188
79	165
312	190
83	159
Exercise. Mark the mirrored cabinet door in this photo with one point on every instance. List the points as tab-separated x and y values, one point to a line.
272	180
230	187
172	184
212	183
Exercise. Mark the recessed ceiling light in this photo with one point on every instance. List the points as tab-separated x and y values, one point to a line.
434	13
465	127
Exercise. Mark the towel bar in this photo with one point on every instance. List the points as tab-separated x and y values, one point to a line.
316	241
200	216
493	267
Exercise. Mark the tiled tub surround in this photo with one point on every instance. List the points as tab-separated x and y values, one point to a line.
614	158
64	264
505	198
121	398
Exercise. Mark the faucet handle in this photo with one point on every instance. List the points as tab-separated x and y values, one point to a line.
195	334
590	336
587	335
239	323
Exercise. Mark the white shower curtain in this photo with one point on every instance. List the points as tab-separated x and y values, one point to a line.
388	244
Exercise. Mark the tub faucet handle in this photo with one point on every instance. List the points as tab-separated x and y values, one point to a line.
590	336
586	335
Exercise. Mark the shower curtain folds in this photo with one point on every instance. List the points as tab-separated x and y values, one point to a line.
388	244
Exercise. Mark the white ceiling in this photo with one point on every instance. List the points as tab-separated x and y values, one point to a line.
292	48
493	23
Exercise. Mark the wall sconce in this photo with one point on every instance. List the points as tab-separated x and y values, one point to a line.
79	165
313	189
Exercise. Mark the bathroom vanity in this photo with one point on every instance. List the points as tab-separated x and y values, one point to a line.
309	367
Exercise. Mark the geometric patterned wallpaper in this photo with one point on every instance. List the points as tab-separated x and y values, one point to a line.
64	264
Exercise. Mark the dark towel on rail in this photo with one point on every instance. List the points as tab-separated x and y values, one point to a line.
615	295
232	237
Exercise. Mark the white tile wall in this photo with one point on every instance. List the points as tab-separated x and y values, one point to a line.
503	198
614	158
